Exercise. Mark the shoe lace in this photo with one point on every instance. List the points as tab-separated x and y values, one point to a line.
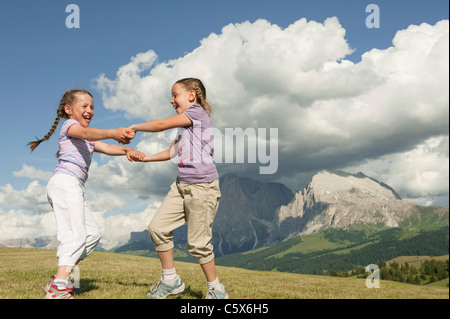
154	289
156	285
210	294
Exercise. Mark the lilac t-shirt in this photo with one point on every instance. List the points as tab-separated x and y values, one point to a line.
75	154
196	148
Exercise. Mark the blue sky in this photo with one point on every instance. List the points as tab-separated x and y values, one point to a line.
40	58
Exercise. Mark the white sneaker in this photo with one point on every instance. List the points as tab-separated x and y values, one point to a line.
161	290
214	293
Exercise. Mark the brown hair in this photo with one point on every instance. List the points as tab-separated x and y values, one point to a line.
68	98
200	91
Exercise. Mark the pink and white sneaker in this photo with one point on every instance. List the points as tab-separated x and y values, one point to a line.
52	291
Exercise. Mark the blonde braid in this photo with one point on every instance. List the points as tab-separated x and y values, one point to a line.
60	113
67	99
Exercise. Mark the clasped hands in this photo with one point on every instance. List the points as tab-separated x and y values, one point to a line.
124	136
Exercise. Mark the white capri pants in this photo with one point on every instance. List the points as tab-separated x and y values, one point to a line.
77	230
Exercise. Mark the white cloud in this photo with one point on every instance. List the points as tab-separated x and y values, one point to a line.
117	228
330	112
143	180
33	198
419	175
33	173
16	223
26	213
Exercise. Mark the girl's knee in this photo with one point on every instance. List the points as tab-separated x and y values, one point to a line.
152	229
156	234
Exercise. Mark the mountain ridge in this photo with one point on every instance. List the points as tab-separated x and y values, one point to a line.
250	218
339	200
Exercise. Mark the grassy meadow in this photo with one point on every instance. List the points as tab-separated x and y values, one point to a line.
24	272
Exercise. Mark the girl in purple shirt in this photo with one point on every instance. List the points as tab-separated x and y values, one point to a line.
194	196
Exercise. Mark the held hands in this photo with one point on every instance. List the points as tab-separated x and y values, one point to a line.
124	135
134	155
133	128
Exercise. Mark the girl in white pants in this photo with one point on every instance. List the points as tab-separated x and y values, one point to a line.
77	230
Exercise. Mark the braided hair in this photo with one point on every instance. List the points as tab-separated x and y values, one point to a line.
200	91
67	99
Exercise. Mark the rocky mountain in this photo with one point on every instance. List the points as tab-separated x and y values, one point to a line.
41	242
253	214
246	211
46	242
341	200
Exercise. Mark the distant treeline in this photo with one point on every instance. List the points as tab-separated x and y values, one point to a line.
383	245
430	271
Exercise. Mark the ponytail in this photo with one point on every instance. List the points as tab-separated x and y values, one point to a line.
201	98
200	91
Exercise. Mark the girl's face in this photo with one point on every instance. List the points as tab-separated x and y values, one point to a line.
83	109
182	99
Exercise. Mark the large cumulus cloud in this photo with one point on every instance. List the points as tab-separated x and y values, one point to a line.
329	111
386	116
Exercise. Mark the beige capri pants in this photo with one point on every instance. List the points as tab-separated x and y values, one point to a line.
195	204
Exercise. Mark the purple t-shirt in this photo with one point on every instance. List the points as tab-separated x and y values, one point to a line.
75	154
196	148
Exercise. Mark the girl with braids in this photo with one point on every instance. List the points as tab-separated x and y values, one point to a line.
194	196
77	230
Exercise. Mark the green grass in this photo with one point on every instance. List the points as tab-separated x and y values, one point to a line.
311	243
24	272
